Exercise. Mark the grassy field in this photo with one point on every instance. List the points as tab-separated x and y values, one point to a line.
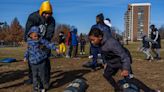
12	75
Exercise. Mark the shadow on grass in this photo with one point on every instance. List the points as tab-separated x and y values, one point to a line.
12	76
68	76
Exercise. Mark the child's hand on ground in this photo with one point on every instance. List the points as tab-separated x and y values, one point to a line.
124	73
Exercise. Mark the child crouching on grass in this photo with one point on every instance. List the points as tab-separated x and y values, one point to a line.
36	58
115	58
145	47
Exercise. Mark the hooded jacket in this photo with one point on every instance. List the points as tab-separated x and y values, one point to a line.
47	27
35	53
74	37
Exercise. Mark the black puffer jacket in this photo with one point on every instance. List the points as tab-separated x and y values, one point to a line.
47	27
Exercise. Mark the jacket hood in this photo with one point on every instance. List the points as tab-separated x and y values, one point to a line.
100	16
73	29
34	29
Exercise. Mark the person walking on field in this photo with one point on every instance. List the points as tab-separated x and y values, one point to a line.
68	44
156	45
82	44
44	20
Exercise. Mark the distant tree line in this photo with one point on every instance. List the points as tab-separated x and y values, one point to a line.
11	34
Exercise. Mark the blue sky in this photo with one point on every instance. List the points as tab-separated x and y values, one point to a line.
80	13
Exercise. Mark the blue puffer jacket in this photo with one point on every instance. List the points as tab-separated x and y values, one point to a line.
35	54
74	37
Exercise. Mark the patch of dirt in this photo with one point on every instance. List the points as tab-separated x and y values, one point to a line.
63	71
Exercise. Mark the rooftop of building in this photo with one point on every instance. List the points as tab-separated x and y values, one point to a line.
140	4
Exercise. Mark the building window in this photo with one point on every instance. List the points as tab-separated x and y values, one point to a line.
140	21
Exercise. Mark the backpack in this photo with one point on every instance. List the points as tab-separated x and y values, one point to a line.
78	85
127	87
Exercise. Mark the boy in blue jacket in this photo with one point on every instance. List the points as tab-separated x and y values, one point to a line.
37	58
74	41
115	58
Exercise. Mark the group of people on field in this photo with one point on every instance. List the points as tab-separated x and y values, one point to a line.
69	43
39	32
152	42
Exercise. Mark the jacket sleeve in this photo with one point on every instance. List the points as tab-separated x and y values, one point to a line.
48	44
118	50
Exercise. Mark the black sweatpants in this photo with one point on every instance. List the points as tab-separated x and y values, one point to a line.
82	48
39	75
109	72
48	71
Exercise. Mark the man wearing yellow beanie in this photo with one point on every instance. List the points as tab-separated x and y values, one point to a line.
44	20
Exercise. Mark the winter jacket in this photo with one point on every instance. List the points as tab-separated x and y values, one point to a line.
74	37
47	27
145	42
35	53
114	54
156	37
68	39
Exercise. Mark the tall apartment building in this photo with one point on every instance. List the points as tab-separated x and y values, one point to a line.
137	20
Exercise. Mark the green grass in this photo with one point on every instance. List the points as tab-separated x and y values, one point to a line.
18	52
12	52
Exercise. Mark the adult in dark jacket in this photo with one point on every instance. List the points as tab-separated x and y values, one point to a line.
44	20
155	36
106	29
115	58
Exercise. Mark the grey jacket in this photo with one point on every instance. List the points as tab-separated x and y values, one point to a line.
114	54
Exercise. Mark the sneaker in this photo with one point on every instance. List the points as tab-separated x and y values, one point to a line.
81	53
90	57
43	90
67	56
36	89
158	58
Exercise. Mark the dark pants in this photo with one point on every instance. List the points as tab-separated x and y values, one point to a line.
29	72
94	51
109	72
39	75
75	48
82	48
47	69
